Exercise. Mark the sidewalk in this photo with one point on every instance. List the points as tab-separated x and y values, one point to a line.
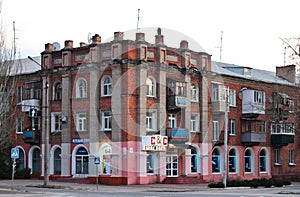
21	185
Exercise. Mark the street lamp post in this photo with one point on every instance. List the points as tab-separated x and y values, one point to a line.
225	138
47	127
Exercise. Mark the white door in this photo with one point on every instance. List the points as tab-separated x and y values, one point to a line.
172	165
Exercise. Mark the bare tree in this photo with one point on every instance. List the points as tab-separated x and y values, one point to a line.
8	76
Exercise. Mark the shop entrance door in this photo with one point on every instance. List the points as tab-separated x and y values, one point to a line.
172	166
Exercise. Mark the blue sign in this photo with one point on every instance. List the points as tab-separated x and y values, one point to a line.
180	133
97	160
14	153
80	140
33	112
181	100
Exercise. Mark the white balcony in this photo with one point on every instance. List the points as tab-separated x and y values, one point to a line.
31	103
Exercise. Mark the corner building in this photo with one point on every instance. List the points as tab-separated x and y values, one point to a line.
150	113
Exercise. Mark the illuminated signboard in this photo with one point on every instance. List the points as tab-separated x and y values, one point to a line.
154	143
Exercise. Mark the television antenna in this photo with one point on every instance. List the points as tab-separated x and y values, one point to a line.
138	21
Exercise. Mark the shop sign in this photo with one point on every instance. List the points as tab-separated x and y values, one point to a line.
80	140
154	143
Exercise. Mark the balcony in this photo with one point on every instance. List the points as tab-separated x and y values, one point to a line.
28	104
281	139
219	106
176	102
177	135
253	103
253	138
31	136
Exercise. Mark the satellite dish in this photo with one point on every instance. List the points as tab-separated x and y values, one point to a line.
89	37
56	46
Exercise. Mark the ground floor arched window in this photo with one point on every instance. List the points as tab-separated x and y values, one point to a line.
232	161
20	162
263	161
57	161
36	161
248	159
216	161
82	161
194	160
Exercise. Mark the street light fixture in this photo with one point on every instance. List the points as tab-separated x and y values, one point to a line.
47	127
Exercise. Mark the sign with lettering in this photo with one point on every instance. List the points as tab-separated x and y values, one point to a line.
154	143
80	140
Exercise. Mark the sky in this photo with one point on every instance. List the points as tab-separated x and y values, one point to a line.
251	28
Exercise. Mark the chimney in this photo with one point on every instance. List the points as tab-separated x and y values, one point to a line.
69	44
118	35
184	44
82	44
49	47
96	38
140	37
159	39
287	72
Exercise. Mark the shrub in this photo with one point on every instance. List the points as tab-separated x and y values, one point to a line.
216	185
22	173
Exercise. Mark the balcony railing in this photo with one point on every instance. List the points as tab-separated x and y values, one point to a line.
251	137
30	103
175	102
31	136
282	139
177	135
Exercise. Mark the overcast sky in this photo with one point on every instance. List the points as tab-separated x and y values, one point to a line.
251	28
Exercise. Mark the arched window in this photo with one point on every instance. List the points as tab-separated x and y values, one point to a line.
57	91
82	161
216	161
81	88
194	92
107	86
150	87
57	161
36	161
194	160
248	159
20	162
263	161
232	161
150	163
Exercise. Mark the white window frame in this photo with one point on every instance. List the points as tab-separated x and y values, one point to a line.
235	158
292	157
19	123
19	93
81	121
58	91
56	116
106	117
172	119
216	130
194	123
232	98
38	122
194	92
81	88
151	120
277	157
106	86
291	106
150	87
232	127
219	92
259	97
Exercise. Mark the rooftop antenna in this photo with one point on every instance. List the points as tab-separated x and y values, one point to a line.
138	20
221	46
14	29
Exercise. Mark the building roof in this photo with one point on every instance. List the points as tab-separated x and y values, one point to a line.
25	66
248	73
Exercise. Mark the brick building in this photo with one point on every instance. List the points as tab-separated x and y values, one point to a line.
153	113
